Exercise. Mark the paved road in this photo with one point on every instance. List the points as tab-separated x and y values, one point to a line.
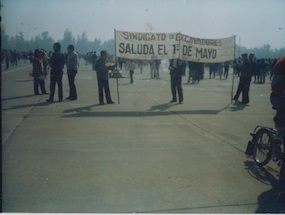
142	155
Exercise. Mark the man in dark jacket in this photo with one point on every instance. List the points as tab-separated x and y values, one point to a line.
56	62
176	70
102	68
244	81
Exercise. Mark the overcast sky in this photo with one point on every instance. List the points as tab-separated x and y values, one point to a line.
254	22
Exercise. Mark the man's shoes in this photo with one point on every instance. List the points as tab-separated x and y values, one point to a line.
181	102
71	98
172	101
110	102
102	103
236	101
36	94
49	100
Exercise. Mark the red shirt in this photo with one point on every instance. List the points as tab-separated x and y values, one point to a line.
279	67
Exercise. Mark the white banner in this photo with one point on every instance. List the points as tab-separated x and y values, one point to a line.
146	46
206	50
158	46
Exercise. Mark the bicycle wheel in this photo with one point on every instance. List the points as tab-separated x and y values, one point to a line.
262	146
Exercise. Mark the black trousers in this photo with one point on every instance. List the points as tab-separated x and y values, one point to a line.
243	87
103	85
132	76
176	84
56	78
71	79
39	83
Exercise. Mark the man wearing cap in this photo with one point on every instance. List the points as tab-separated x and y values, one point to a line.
244	81
102	69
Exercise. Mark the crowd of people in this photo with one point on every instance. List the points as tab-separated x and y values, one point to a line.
41	61
249	70
56	61
12	57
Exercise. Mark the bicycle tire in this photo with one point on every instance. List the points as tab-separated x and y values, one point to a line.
262	146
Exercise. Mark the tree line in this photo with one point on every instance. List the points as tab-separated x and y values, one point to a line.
83	45
44	41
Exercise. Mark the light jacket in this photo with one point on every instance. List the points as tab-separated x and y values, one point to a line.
72	61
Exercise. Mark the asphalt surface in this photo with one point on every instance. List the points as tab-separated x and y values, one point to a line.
142	154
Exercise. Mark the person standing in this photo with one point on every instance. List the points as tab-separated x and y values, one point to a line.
197	70
252	62
72	67
7	58
102	68
141	62
93	59
152	69
132	67
221	69
244	81
176	70
157	64
56	62
226	69
38	72
262	71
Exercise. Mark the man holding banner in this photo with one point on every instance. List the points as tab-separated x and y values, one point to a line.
244	81
102	67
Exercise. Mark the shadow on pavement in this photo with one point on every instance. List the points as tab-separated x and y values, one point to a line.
27	106
81	109
273	200
156	110
161	107
17	97
238	107
86	112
